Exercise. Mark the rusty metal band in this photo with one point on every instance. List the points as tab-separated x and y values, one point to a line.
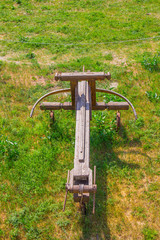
119	95
48	94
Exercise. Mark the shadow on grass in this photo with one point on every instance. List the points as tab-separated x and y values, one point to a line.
96	227
106	160
129	142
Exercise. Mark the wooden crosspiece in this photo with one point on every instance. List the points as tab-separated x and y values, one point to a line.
83	90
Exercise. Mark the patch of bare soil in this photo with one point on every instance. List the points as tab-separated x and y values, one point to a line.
2	220
118	60
114	85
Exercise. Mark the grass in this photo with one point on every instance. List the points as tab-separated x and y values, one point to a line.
38	38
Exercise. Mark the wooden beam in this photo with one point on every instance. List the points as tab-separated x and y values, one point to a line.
86	188
82	76
73	85
111	106
82	120
98	106
117	106
56	106
92	85
81	174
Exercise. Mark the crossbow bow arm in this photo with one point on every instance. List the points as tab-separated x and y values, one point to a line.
48	94
119	95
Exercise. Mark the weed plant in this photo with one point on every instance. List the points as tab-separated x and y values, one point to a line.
151	63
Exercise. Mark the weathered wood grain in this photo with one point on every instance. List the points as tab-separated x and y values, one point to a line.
98	106
73	85
80	76
81	174
117	106
111	106
56	106
92	85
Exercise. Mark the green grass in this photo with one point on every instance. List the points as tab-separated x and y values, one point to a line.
44	37
149	234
